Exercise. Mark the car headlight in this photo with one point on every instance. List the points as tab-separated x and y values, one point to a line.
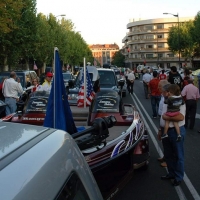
72	96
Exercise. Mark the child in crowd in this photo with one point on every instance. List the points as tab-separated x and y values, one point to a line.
174	101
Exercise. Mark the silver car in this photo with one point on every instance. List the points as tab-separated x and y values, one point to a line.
42	163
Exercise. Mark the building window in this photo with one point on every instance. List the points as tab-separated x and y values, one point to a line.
160	26
135	56
170	55
149	36
160	36
141	37
149	46
160	45
149	55
160	55
149	28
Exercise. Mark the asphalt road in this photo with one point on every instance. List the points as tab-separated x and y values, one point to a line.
147	185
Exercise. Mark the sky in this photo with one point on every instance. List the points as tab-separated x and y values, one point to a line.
105	21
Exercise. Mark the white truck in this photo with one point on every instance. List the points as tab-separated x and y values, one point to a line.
43	163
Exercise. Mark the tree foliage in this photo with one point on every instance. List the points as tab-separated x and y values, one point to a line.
118	59
185	38
31	37
9	13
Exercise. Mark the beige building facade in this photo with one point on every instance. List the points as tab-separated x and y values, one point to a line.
146	43
103	53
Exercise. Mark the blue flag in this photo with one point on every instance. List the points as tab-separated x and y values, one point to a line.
58	114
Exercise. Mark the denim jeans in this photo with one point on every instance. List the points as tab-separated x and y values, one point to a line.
145	90
174	153
11	106
155	104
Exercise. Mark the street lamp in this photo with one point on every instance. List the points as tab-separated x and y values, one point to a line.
178	35
62	15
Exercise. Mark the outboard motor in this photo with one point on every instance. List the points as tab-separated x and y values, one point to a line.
96	134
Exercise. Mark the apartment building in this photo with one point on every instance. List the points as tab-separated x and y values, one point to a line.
146	43
103	53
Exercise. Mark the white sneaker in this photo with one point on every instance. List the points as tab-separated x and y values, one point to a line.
164	136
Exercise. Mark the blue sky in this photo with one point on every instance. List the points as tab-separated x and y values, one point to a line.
105	21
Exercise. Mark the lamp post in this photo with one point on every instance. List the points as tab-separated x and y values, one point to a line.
62	15
157	48
178	35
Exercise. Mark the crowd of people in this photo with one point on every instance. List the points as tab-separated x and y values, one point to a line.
173	99
11	90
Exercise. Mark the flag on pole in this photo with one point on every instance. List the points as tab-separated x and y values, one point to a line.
35	66
58	114
89	90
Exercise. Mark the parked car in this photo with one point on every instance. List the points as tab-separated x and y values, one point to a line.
67	76
26	77
74	86
43	163
108	80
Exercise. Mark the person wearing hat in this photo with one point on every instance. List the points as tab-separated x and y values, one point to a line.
46	86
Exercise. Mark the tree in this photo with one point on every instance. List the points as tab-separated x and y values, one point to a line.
118	59
196	36
180	40
9	13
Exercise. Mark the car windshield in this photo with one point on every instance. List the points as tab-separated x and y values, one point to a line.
7	75
3	76
107	78
21	80
66	76
78	79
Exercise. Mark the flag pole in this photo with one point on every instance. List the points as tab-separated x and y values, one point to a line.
54	85
84	70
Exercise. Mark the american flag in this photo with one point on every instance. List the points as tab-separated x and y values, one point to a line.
89	91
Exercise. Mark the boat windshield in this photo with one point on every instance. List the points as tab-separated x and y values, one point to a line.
37	102
106	102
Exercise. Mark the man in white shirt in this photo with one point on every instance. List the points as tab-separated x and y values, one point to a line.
11	92
146	79
173	150
130	82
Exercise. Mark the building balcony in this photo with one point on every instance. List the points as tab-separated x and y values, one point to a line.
140	32
154	59
148	50
149	40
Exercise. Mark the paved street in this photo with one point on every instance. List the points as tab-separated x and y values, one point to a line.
147	184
